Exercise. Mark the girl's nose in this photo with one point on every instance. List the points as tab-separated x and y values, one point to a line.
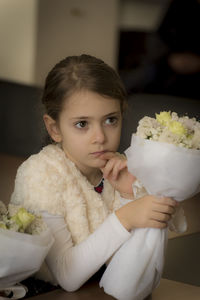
99	135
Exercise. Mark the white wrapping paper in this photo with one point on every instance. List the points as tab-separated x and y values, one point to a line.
164	170
21	255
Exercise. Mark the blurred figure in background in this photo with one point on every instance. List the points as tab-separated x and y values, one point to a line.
172	61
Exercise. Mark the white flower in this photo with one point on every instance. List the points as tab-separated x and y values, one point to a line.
170	128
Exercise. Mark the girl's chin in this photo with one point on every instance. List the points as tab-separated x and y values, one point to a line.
100	164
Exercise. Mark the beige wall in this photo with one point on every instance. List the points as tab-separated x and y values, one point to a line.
68	27
18	40
35	34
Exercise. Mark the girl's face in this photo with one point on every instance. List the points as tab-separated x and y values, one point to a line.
89	125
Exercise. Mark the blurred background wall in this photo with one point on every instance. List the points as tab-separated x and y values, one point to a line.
68	27
35	34
18	29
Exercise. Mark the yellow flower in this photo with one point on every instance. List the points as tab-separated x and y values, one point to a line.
190	136
2	225
177	128
23	218
164	118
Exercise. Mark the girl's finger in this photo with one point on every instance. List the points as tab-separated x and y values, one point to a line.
160	217
165	209
107	155
156	224
166	201
120	165
108	168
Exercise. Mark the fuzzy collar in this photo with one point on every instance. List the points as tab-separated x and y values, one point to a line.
56	185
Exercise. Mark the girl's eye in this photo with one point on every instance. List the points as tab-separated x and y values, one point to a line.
81	124
111	121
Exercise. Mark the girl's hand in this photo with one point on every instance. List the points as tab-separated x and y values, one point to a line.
115	170
148	211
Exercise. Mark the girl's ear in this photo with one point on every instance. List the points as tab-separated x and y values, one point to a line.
52	128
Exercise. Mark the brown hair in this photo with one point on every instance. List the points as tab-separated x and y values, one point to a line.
80	72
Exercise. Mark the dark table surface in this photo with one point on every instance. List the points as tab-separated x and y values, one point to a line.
167	290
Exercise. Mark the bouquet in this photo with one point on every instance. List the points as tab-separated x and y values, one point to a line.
24	243
165	157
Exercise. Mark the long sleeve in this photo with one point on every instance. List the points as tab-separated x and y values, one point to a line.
72	265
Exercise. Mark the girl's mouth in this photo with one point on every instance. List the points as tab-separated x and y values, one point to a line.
98	153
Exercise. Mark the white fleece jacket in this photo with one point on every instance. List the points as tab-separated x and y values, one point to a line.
85	229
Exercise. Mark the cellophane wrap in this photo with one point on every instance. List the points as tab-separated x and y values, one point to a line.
164	170
21	255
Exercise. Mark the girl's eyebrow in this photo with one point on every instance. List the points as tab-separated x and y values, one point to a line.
118	112
80	118
88	117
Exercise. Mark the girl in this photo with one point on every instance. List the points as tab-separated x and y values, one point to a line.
78	179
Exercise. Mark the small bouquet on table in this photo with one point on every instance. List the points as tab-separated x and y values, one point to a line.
164	156
25	241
